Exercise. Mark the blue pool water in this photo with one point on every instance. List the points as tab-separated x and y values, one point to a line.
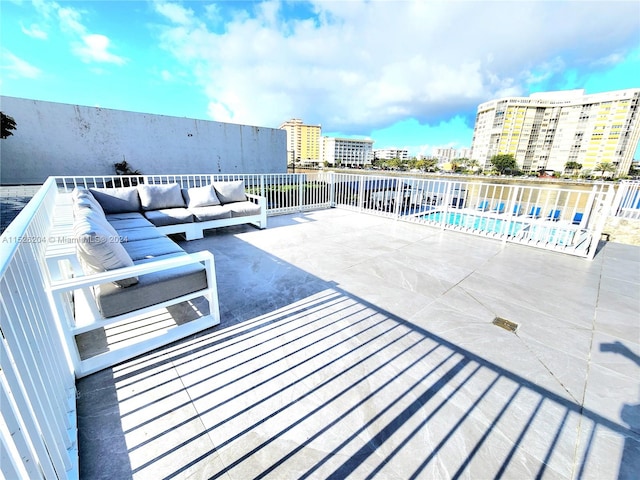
475	222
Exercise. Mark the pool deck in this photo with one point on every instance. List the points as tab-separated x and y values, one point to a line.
355	346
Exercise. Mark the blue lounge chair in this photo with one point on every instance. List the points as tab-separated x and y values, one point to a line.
483	206
499	208
517	209
534	212
577	218
554	215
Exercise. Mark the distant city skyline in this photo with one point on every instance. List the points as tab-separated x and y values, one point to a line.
406	74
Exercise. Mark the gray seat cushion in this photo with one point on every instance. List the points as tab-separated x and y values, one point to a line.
130	223
216	212
124	216
151	248
169	216
242	209
138	233
151	289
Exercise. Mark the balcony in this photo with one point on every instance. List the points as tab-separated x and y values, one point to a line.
358	345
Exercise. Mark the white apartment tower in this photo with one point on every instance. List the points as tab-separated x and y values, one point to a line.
449	154
303	142
391	153
347	152
547	130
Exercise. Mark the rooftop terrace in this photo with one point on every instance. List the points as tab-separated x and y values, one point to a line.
358	346
360	341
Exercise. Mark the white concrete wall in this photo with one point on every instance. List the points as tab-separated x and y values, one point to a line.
60	139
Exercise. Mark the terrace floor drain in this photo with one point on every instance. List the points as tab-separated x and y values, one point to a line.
506	324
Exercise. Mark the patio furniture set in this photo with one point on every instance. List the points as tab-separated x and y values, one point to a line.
121	264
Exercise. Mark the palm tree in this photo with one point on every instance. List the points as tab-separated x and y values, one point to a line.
473	165
603	167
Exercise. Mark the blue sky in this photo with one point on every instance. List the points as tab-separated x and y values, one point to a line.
407	74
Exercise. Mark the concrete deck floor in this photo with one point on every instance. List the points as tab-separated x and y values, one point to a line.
353	346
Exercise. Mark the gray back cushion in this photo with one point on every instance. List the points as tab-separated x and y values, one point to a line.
99	250
157	197
117	200
229	192
92	220
201	196
82	198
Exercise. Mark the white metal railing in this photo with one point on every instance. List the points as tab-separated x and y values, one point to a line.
285	193
37	385
568	220
627	201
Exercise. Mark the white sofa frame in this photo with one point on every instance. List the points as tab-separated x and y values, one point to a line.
81	285
195	230
68	283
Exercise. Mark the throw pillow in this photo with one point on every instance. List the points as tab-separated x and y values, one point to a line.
229	192
82	197
201	197
157	197
117	200
99	250
94	219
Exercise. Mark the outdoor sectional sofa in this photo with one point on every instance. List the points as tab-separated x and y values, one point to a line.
124	265
189	211
121	227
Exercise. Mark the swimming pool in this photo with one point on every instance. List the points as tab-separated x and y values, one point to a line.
522	231
476	222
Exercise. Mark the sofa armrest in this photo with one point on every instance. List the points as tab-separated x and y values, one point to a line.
85	281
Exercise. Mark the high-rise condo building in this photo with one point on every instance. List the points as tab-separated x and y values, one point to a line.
303	142
546	130
347	152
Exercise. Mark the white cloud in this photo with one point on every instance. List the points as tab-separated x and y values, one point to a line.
15	67
166	75
70	20
89	47
34	31
357	65
175	12
611	59
94	48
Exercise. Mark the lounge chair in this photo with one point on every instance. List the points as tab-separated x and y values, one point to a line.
483	206
534	212
499	208
517	209
554	215
577	218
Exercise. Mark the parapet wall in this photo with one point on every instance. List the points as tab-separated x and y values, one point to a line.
622	230
63	140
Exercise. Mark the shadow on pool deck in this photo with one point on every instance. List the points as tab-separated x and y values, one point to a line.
357	345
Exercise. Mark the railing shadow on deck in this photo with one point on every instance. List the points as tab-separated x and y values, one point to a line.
327	385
